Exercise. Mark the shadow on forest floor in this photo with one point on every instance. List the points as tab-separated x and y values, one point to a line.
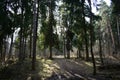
59	69
22	71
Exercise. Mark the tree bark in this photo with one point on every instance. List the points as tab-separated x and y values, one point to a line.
68	47
91	39
78	53
1	51
34	34
64	49
11	45
30	44
20	56
20	46
85	32
25	44
51	29
1	56
4	49
118	30
111	36
100	47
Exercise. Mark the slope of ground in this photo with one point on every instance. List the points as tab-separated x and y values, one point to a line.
59	69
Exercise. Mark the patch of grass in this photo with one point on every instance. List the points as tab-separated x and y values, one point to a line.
15	71
22	70
45	68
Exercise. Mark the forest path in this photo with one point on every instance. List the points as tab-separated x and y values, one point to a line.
60	69
73	69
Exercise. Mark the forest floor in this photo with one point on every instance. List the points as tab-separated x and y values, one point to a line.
61	69
78	69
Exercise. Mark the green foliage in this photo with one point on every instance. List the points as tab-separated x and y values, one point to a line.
116	7
46	22
41	41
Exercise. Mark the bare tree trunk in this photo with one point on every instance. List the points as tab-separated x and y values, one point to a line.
110	33
1	50
79	53
34	34
23	47
4	49
86	46
118	30
25	44
50	52
64	49
68	54
68	48
21	34
91	50
51	29
100	47
11	45
30	46
20	45
91	40
85	32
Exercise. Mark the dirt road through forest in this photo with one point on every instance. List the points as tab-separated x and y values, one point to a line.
71	69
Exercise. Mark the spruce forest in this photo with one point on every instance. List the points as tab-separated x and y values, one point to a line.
59	39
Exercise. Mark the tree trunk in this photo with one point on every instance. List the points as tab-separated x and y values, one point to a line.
23	47
91	40
20	45
50	52
1	51
85	32
100	47
34	34
51	29
86	46
79	53
64	50
118	30
30	44
11	45
4	49
1	56
25	44
110	33
68	48
20	56
68	54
